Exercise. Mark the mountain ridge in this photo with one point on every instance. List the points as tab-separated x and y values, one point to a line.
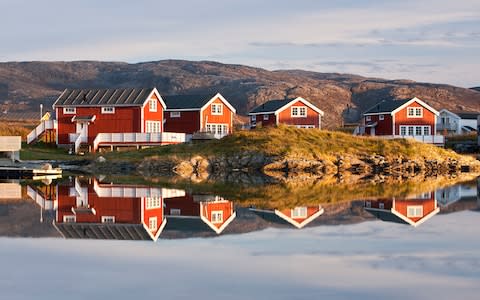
343	97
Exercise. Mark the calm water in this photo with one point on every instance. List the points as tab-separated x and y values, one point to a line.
85	237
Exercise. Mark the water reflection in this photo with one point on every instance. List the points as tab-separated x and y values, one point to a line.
90	208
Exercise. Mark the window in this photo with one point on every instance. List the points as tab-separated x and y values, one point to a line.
414	112
152	223
403	130
265	117
152	105
410	130
426	130
175	211
254	118
418	130
217	216
174	114
299	112
153	126
381	117
368	203
414	211
69	110
69	219
381	205
221	129
217	109
305	126
368	118
108	219
153	202
299	212
108	110
415	130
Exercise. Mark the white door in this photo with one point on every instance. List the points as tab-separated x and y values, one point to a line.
82	129
372	131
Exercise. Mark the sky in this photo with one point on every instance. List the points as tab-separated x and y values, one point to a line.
371	260
424	40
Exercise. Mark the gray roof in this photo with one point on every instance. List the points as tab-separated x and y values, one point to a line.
186	101
467	115
104	97
386	106
271	106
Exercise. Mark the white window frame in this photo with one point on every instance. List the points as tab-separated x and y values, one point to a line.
153	127
403	130
381	117
69	219
217	128
418	130
216	216
410	130
414	112
175	114
413	130
216	109
108	219
381	205
152	105
368	118
69	110
305	126
414	211
298	111
108	110
266	117
254	118
427	130
175	211
152	223
299	212
153	202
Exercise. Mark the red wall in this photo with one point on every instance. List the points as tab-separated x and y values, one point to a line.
189	122
225	118
428	206
402	119
384	127
153	116
225	206
270	122
311	210
312	118
186	205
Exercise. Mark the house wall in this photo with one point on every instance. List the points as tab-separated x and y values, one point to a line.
429	118
384	127
285	117
153	212
152	116
186	205
311	210
387	203
225	206
429	205
188	122
272	121
125	119
225	118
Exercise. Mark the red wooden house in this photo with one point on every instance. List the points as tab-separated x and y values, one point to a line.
199	113
114	117
402	118
296	112
94	210
411	211
193	213
298	216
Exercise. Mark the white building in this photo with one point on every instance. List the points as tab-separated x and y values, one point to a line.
457	122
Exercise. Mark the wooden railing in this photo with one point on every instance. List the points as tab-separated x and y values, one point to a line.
140	138
44	125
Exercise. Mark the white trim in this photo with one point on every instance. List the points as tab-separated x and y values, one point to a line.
218	109
305	222
182	109
106	219
381	117
54	105
175	114
218	95
405	219
412	112
304	102
298	108
105	110
224	225
69	112
415	99
160	229
156	93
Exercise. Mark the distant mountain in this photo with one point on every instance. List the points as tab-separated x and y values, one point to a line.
23	85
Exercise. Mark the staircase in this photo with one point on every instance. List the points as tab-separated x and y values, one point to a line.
41	129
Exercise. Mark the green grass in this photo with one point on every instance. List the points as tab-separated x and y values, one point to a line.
42	151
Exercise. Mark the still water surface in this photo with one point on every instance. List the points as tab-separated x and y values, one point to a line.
104	239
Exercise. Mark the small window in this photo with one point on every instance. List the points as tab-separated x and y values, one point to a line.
108	110
368	118
368	204
418	130
152	223
153	202
414	112
174	114
152	105
175	211
414	211
381	117
265	117
299	112
69	110
403	130
108	219
153	127
217	109
69	219
299	212
426	130
410	130
381	205
254	118
217	216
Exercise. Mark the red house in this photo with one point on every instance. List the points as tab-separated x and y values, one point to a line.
93	210
298	216
199	113
193	213
108	117
411	211
402	118
296	112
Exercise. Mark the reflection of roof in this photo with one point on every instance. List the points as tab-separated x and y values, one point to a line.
187	224
277	217
103	231
103	97
394	216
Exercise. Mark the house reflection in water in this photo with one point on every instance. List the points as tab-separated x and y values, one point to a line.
411	210
92	210
298	216
198	213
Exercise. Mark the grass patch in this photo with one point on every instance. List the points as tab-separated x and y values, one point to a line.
42	151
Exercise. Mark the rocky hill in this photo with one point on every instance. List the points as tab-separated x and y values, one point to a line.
23	85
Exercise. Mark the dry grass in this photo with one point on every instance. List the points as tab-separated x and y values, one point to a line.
16	128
